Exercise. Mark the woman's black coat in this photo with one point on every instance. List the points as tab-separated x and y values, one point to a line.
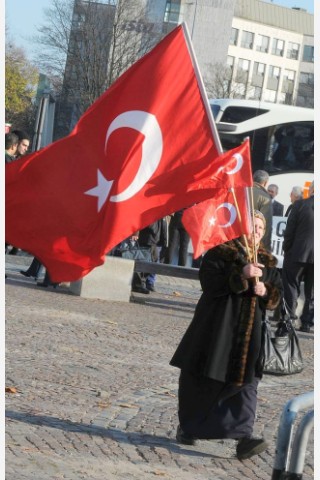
210	346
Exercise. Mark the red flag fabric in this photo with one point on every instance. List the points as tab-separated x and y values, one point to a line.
216	221
138	153
236	166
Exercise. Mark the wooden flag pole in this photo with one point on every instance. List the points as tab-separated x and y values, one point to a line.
249	326
254	249
244	237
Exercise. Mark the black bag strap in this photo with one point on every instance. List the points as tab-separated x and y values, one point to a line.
285	326
285	310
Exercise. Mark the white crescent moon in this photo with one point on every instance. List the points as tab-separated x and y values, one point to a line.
233	214
239	159
152	147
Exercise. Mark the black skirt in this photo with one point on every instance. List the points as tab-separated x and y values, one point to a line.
209	409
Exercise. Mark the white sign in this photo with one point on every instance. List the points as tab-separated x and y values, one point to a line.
278	227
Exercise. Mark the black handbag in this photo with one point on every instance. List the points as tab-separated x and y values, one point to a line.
132	251
281	350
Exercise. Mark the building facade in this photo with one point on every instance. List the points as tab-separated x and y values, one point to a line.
271	53
87	61
266	51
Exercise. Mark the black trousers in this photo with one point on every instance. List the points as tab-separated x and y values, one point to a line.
209	409
178	239
292	275
35	268
140	279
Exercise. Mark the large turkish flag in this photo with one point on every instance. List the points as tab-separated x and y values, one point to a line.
138	153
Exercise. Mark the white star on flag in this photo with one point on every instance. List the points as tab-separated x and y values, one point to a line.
101	191
212	221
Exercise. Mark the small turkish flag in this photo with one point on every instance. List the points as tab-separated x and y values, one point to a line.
139	153
239	165
216	221
236	168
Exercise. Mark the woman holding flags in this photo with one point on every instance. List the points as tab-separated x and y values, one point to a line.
220	353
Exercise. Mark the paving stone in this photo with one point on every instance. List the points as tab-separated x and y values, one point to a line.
96	396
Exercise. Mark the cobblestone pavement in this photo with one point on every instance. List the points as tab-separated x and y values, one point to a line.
96	397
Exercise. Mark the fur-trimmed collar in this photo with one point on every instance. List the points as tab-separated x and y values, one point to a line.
233	249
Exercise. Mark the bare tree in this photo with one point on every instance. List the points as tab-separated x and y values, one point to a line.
220	82
132	37
89	44
53	37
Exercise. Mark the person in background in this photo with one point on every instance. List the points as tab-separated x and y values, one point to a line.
298	261
220	354
277	207
296	194
24	143
10	145
178	239
22	149
155	237
34	269
262	202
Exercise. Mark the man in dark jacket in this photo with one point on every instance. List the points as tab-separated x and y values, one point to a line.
11	145
154	236
178	240
298	262
262	202
295	194
277	207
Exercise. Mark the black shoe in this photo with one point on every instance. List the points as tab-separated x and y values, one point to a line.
305	328
247	447
140	290
25	273
184	438
150	287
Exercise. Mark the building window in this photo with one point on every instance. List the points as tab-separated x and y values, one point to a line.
307	102
308	53
78	19
262	44
172	11
240	92
270	96
274	72
259	68
234	36
289	75
273	78
306	90
255	93
288	83
293	50
277	47
258	74
306	79
243	71
247	39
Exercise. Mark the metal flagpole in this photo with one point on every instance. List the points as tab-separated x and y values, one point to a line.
202	88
